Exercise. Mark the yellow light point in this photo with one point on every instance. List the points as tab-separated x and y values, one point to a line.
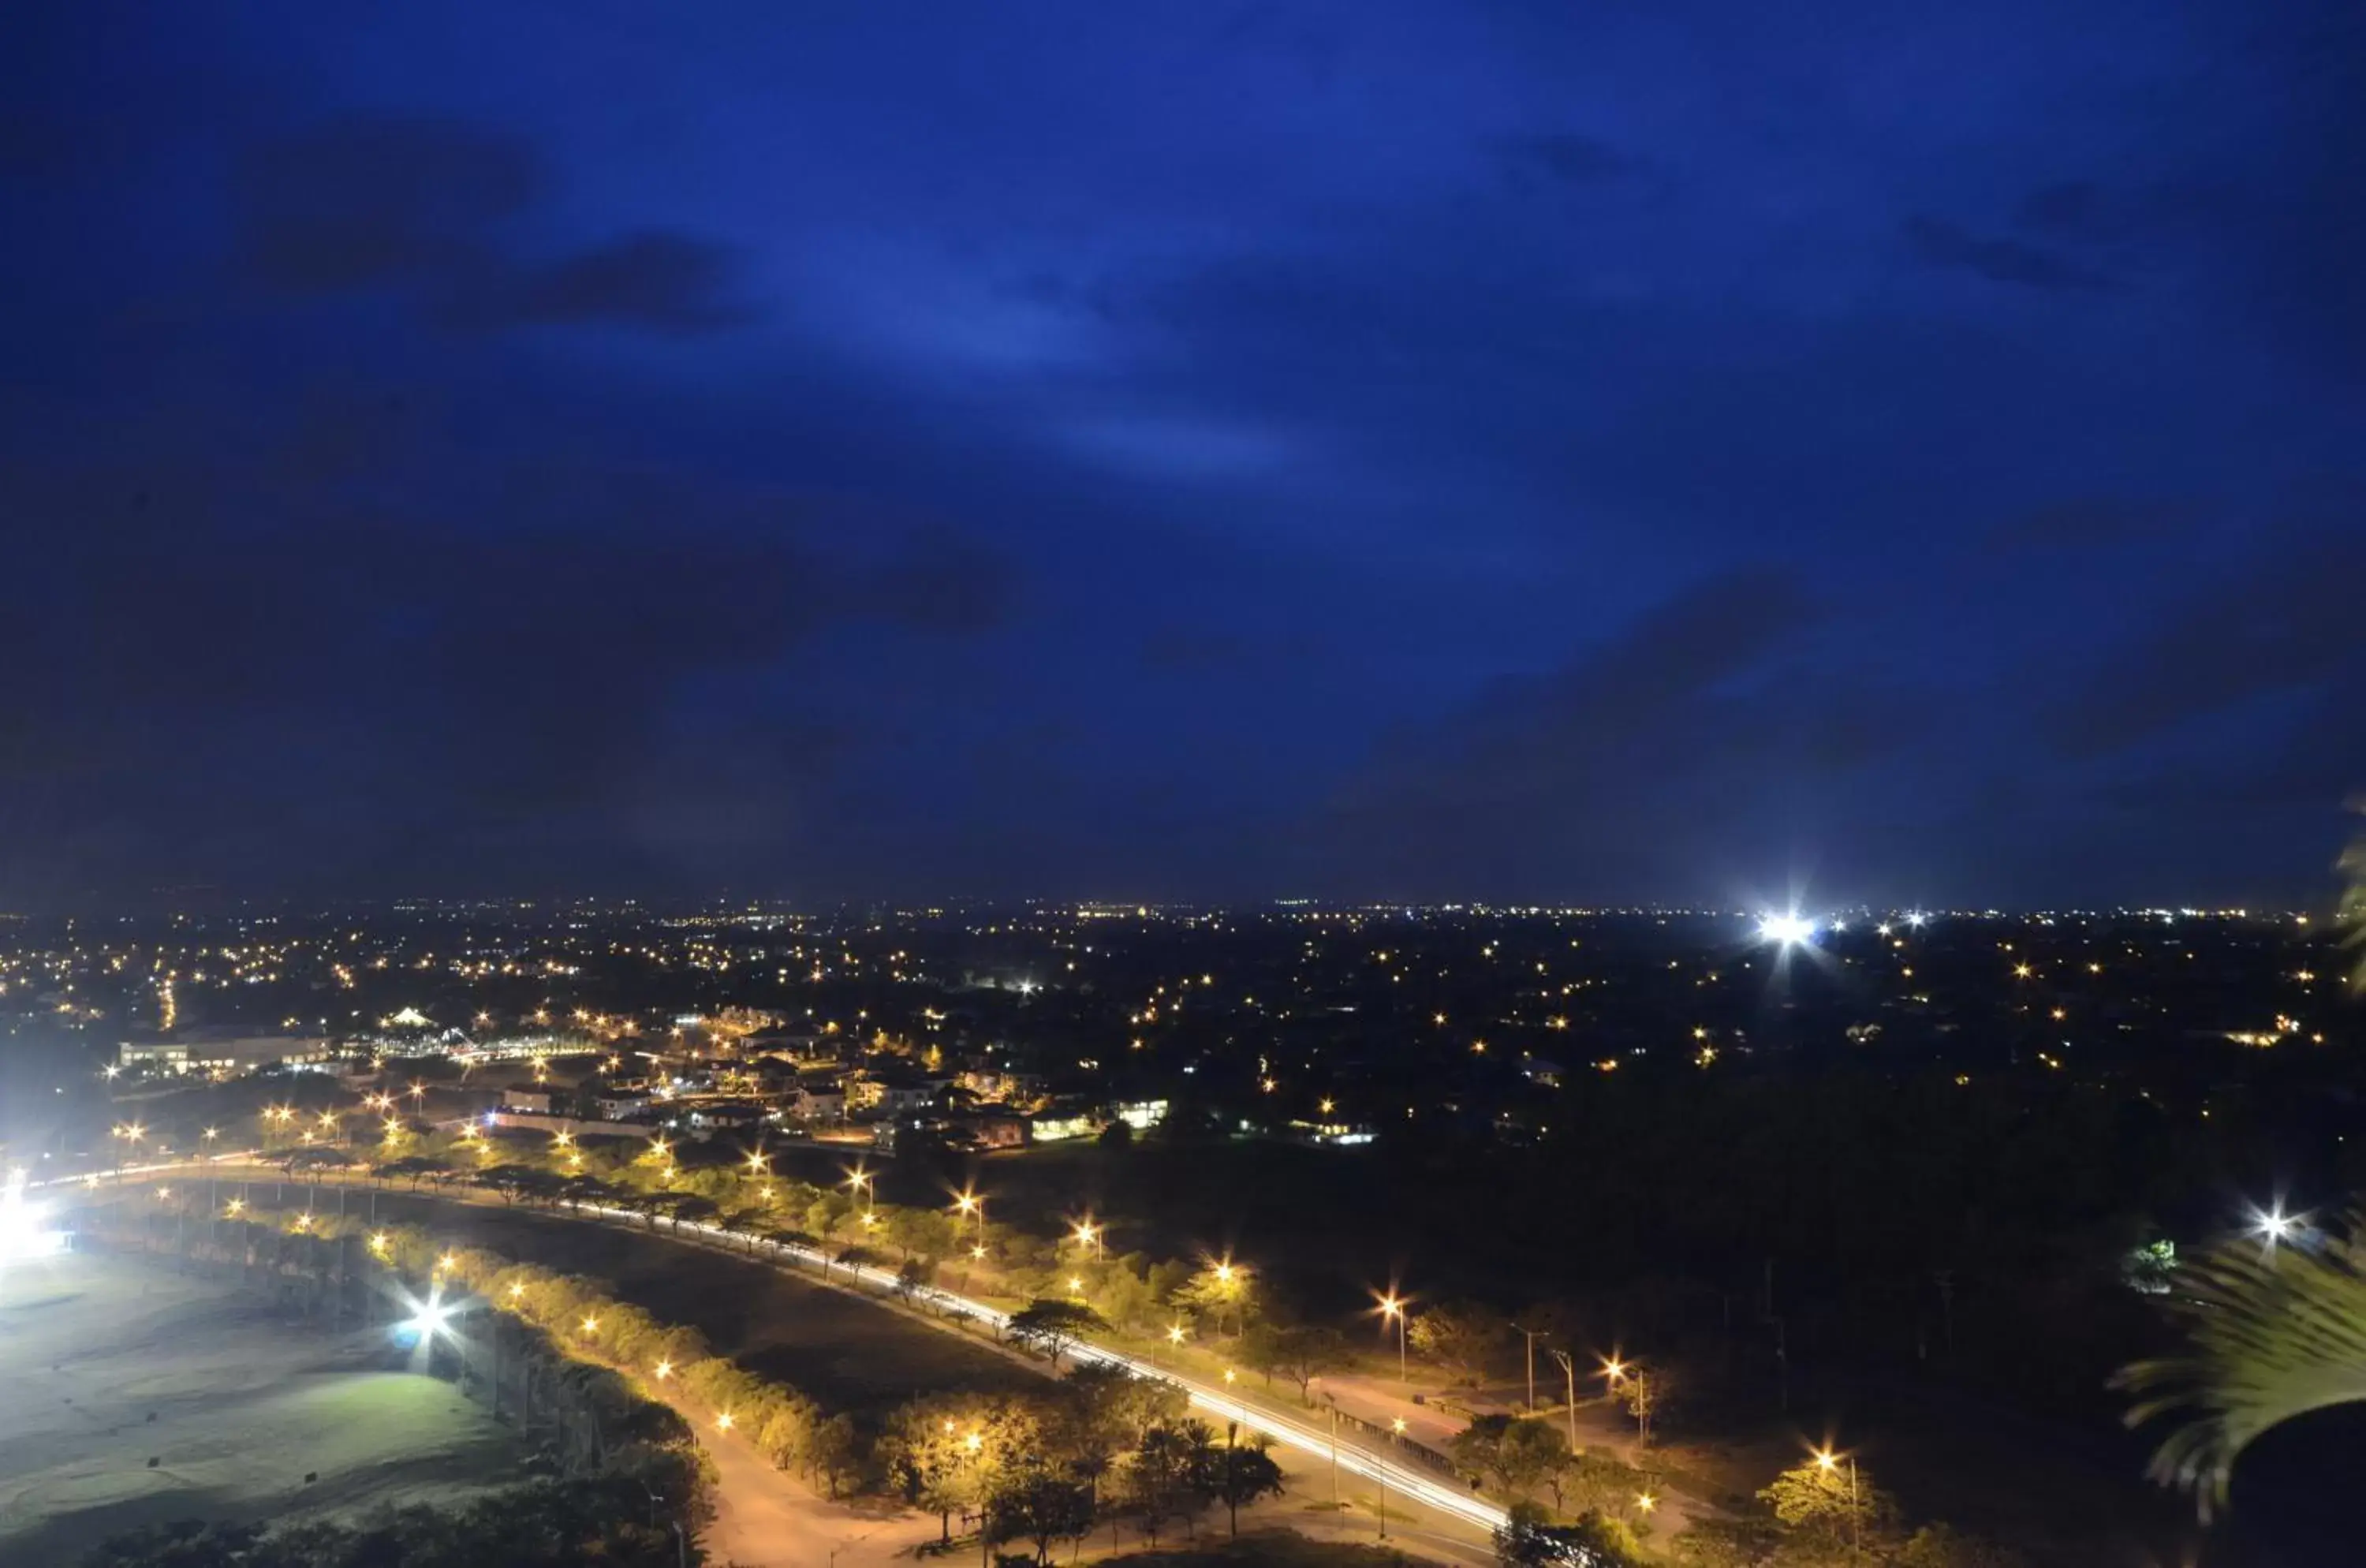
1224	1273
1614	1369
1646	1502
1478	1047
447	1262
722	1421
1398	1425
1230	1376
237	1205
1390	1307
664	1371
163	1193
973	1442
1076	1282
303	1221
563	1140
212	1132
978	1253
756	1163
1175	1334
517	1288
591	1325
1325	1106
966	1202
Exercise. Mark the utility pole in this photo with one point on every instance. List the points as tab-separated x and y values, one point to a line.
1569	1370
1531	1335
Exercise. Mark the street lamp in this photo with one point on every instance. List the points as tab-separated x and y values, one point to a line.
1089	1235
1829	1465
969	1203
1392	1306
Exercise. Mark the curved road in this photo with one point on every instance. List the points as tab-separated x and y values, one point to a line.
1398	1478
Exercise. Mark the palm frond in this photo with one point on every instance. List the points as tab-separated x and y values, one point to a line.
2274	1333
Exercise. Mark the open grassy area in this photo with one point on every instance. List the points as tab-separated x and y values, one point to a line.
847	1353
130	1395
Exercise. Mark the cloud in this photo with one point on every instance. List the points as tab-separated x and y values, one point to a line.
2097	522
1565	158
2284	626
1939	243
364	202
2064	207
426	208
1672	747
664	282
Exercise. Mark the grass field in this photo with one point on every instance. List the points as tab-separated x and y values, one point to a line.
849	1354
130	1395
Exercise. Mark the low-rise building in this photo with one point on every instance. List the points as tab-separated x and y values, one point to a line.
222	1051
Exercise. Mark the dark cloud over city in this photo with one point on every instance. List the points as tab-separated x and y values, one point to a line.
1382	451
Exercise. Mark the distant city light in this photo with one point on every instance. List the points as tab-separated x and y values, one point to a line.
1787	930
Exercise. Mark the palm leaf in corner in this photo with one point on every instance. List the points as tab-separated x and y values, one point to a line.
2273	1333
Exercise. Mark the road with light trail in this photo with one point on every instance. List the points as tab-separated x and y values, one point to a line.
1398	1478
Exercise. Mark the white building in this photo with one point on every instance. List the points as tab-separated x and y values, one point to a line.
222	1051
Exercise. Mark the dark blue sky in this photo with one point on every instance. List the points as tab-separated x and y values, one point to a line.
1903	452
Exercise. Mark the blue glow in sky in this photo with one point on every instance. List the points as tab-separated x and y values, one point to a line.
1906	452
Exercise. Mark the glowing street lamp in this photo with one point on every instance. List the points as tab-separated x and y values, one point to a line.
1175	1333
2274	1224
664	1371
1830	1464
1089	1235
722	1421
967	1201
1393	1306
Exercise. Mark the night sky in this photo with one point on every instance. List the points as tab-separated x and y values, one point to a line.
1889	451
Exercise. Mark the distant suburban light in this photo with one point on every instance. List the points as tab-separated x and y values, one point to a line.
1787	929
1917	919
2275	1225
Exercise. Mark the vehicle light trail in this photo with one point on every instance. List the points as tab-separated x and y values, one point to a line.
1402	1479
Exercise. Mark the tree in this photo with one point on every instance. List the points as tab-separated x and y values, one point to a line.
1301	1353
2272	1332
1827	1502
1160	1474
1643	1391
1937	1546
1053	1324
834	1450
1462	1337
911	1275
1238	1473
1224	1292
1038	1506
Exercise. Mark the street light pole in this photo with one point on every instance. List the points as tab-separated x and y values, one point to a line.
1569	1370
1531	1335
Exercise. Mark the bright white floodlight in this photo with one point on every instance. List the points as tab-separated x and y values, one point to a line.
1786	931
2275	1225
21	1232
